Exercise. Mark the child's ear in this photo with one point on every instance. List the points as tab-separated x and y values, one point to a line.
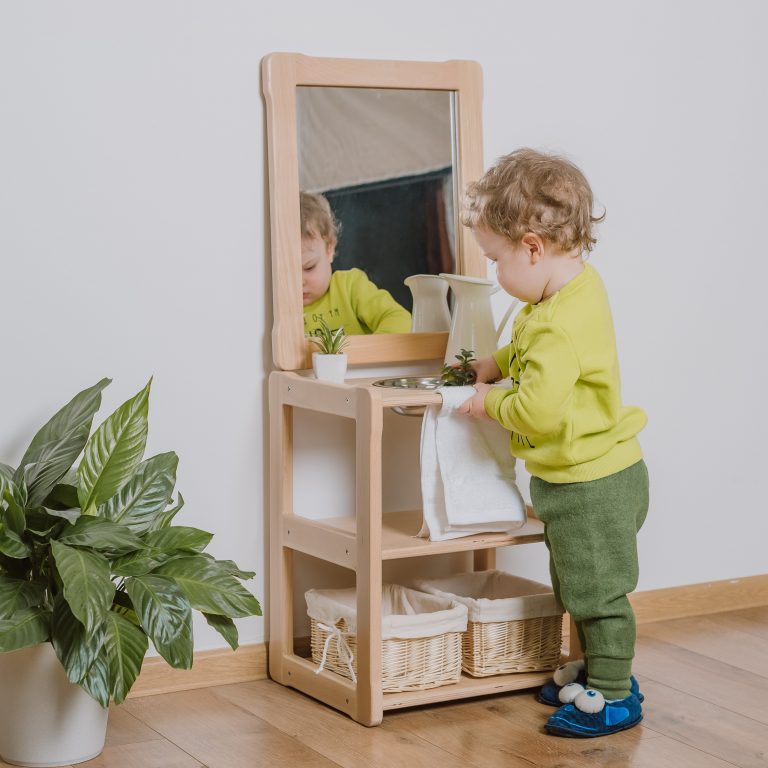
330	250
534	245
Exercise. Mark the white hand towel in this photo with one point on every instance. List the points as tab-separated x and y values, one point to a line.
467	473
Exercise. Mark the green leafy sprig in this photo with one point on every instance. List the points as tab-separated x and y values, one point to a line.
461	374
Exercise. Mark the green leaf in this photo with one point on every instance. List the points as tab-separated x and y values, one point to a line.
209	588
41	523
163	520
145	495
140	563
113	452
63	496
16	594
14	498
11	544
166	616
100	534
96	680
125	646
58	443
225	627
87	586
178	537
70	515
26	627
77	650
6	473
231	567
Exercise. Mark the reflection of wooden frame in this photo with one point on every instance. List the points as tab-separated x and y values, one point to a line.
281	74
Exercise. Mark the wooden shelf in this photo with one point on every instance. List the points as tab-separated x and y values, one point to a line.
360	543
467	687
335	539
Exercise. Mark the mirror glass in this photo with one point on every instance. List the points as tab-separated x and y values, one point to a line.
385	160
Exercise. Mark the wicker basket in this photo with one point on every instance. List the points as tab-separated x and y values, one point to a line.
515	625
407	663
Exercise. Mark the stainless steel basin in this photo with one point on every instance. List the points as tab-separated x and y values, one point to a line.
410	382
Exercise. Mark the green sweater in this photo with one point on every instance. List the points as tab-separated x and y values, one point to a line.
354	302
564	408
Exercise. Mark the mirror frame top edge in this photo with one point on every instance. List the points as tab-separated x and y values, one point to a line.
281	74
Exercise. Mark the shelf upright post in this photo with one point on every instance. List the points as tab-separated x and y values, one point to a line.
281	504
368	494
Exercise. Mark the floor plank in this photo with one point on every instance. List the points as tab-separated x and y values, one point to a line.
702	677
334	735
124	728
146	754
740	740
752	620
719	636
220	734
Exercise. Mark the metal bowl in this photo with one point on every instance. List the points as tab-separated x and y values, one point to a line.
410	382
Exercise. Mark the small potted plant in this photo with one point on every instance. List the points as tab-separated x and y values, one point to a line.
329	363
91	570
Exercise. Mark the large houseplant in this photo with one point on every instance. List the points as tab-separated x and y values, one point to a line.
90	560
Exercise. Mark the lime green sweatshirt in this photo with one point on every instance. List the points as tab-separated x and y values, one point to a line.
564	407
356	303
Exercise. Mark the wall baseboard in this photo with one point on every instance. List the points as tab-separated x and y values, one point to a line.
249	662
700	599
218	667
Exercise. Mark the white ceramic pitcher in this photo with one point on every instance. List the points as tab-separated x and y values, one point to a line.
430	303
472	325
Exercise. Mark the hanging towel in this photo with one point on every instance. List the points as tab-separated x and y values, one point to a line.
467	473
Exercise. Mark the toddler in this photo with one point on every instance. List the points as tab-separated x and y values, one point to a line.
345	298
531	214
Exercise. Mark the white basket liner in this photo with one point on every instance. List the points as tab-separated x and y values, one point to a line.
495	595
405	613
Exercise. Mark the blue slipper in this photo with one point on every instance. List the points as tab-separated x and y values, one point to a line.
548	693
615	716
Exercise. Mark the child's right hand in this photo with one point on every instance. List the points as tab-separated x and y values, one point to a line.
486	370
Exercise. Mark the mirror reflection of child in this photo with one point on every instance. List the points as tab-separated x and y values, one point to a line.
344	298
531	214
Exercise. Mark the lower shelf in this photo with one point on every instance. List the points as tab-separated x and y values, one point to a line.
467	687
340	692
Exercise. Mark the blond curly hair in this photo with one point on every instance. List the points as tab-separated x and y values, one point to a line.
317	219
530	191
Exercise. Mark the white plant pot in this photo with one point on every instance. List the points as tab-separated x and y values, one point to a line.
329	367
44	719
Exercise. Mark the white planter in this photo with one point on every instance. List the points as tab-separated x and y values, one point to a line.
44	719
329	367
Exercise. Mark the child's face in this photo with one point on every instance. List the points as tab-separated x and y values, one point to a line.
519	268
316	258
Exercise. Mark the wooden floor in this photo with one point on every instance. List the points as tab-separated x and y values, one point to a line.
705	681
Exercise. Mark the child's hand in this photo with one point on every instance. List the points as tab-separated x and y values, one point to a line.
475	406
486	369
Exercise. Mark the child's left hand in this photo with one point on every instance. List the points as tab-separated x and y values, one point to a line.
475	406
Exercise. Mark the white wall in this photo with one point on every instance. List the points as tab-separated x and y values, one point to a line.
133	235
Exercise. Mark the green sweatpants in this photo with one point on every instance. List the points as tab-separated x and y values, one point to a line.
591	530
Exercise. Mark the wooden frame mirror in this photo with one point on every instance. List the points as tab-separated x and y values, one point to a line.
283	76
